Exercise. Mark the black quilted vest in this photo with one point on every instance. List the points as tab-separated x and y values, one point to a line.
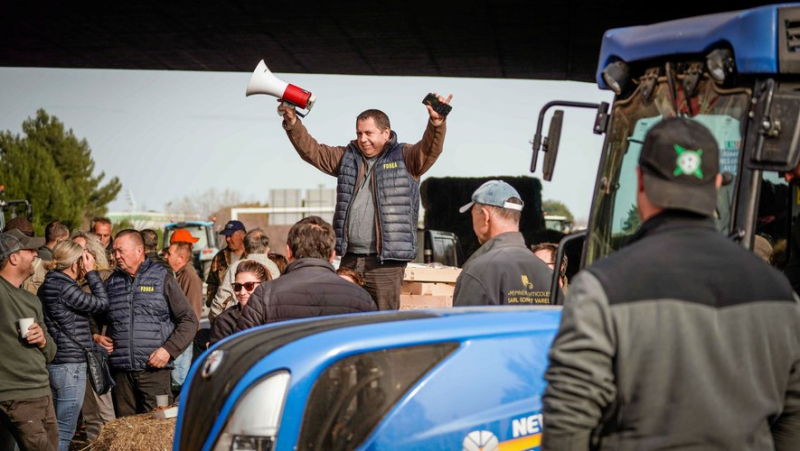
396	196
139	315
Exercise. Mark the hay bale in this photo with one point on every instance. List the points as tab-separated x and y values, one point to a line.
137	432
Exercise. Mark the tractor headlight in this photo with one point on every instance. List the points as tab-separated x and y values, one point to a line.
254	423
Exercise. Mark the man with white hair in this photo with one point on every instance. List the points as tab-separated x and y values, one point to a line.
503	271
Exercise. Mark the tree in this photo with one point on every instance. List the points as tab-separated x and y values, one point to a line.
205	204
632	222
53	170
556	208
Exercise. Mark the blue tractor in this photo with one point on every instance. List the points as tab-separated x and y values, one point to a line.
412	380
738	74
473	378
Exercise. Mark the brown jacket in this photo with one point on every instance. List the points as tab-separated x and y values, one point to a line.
219	264
192	287
33	282
418	157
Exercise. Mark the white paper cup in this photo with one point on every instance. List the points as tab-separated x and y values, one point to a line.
162	400
24	324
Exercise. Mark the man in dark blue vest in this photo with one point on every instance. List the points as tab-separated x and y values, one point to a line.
150	324
377	194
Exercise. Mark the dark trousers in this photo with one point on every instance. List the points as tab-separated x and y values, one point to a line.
32	423
383	280
136	391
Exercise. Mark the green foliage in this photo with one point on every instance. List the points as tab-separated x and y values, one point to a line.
556	208
122	225
53	170
632	222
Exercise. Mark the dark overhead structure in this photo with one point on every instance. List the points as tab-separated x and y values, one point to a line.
531	39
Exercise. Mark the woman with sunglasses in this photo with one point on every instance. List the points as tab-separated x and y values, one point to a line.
249	275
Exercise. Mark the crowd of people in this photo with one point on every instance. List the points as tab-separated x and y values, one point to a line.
67	294
723	325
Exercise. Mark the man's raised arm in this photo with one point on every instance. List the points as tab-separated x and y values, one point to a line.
421	156
325	158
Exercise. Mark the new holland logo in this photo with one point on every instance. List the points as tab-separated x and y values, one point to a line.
480	441
213	361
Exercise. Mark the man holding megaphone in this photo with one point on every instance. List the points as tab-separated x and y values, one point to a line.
377	194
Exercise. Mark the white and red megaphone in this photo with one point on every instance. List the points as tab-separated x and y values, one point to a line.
265	82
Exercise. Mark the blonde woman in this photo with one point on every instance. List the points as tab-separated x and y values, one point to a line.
98	410
67	309
92	243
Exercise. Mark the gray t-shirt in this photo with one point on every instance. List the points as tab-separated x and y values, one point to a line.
362	236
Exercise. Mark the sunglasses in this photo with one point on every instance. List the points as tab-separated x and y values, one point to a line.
249	286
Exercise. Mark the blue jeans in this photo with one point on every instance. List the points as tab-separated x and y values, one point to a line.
182	365
68	383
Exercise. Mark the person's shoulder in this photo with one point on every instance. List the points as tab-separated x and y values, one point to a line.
53	279
115	274
229	316
344	285
499	255
191	272
629	254
220	256
269	264
6	289
225	324
752	264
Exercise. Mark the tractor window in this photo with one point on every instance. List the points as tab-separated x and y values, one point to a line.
778	226
626	220
614	216
351	397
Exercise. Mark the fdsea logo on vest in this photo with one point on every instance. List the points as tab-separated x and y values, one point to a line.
392	165
147	289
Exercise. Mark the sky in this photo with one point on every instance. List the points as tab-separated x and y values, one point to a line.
170	134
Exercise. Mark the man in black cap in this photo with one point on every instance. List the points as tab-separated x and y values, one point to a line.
234	232
682	339
26	402
25	227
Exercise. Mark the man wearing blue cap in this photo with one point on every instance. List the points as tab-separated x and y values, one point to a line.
503	271
234	232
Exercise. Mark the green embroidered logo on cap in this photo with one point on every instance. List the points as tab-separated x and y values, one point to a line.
688	162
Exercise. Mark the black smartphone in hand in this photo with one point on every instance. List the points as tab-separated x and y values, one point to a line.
440	107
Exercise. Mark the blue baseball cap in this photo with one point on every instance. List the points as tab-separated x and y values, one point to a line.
232	227
495	193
